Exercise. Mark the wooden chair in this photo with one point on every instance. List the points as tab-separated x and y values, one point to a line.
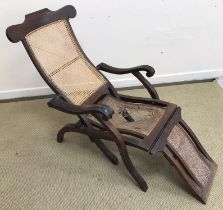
82	90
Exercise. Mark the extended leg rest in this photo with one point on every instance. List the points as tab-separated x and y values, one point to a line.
185	152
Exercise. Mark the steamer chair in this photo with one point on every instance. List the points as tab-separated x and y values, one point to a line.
149	124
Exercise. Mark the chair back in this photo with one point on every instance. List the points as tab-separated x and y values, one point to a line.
55	51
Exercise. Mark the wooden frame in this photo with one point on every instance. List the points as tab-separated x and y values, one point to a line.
155	142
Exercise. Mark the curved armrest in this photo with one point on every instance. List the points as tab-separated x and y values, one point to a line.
102	110
136	72
150	71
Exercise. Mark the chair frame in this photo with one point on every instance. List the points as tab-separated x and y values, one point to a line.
155	142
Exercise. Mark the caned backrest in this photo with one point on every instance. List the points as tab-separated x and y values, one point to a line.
55	50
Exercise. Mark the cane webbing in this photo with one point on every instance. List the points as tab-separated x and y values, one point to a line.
181	142
57	52
144	117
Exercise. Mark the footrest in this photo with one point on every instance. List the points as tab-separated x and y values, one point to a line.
185	152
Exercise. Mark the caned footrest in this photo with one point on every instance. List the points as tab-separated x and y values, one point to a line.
185	152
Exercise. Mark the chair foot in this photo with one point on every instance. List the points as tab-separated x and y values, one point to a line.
134	173
138	178
143	185
65	129
105	150
60	137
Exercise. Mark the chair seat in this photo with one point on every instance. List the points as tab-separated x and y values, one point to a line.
135	117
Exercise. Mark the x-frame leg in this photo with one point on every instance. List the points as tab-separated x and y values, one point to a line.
120	144
98	142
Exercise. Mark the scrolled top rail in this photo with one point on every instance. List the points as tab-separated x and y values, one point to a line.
16	33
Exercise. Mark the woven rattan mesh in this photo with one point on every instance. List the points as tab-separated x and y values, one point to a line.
56	50
144	116
181	142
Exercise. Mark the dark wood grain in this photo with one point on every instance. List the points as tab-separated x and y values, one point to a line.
150	71
37	19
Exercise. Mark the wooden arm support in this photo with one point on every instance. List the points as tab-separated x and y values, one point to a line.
102	110
135	99
136	72
150	71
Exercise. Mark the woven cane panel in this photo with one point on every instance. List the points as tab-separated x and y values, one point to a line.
145	116
183	144
57	52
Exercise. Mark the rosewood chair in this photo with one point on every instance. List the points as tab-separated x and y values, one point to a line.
148	124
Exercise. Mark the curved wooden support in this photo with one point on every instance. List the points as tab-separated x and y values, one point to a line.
65	129
98	142
105	150
150	71
147	85
84	120
58	103
124	153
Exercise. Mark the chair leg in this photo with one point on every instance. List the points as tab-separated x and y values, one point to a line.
98	142
65	129
122	150
130	167
124	154
105	150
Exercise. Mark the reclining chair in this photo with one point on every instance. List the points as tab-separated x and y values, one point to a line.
148	124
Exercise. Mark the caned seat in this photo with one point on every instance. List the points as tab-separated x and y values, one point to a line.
139	118
149	124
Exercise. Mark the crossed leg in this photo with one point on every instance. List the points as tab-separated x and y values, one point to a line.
125	155
98	142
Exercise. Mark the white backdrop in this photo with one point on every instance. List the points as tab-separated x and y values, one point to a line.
183	40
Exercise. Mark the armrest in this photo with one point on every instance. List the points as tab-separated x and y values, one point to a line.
150	71
135	99
136	72
102	110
